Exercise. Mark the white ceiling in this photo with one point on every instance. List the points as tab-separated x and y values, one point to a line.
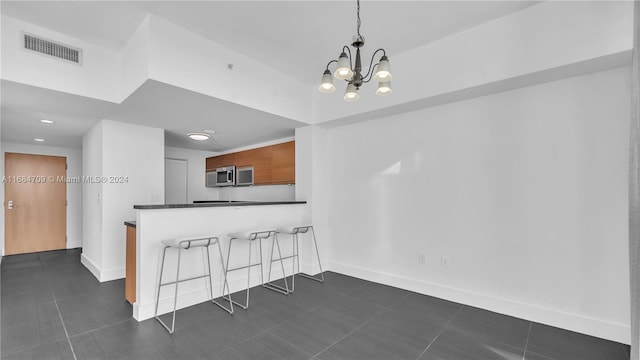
155	104
299	37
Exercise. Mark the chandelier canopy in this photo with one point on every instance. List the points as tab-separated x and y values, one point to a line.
345	70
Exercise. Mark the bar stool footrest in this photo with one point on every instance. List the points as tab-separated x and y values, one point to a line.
277	288
171	331
312	277
229	310
229	299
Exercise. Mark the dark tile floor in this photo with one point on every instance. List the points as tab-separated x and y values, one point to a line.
53	308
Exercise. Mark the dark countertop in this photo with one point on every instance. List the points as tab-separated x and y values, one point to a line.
216	204
130	223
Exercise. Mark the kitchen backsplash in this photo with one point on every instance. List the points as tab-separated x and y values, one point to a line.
258	193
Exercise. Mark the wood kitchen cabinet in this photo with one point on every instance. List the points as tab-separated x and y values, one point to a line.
130	265
275	164
283	163
215	162
260	159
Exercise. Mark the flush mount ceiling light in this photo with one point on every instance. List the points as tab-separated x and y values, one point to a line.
38	140
379	71
45	121
197	136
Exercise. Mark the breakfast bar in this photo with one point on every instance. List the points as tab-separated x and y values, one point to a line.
155	223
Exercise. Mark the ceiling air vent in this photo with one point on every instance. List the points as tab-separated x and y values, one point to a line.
51	48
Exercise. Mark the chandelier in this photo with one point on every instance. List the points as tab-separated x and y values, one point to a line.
353	74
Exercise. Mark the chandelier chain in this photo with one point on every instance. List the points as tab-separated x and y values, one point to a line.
358	12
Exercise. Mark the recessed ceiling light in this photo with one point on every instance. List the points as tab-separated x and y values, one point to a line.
38	140
45	121
199	136
208	131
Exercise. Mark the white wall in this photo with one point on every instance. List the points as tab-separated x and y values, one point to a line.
1	173
258	193
311	186
553	39
119	151
74	191
525	191
196	189
97	77
92	199
182	58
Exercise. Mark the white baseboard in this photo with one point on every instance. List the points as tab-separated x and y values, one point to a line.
74	244
112	274
146	311
570	321
102	274
90	266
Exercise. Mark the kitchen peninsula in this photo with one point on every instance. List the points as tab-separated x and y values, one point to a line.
158	222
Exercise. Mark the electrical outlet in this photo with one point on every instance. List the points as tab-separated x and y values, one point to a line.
445	261
422	259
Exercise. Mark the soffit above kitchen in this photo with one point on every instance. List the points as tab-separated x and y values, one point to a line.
153	104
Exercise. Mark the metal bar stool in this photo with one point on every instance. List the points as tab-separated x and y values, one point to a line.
188	244
295	258
252	236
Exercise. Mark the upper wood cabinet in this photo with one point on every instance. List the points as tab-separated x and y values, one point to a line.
215	162
260	159
274	164
283	163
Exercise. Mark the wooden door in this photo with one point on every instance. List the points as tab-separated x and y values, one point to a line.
35	203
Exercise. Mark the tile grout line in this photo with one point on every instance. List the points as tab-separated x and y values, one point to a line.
287	341
66	333
357	328
349	333
387	308
272	327
278	324
526	344
100	328
446	325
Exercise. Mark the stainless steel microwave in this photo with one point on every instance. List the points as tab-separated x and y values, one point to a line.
224	176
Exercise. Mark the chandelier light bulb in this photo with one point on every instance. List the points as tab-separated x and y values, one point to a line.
383	74
384	88
343	70
352	93
326	86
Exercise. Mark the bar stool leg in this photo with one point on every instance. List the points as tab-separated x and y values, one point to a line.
209	274
295	259
315	243
225	284
280	289
226	271
175	297
229	299
164	253
246	304
261	268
